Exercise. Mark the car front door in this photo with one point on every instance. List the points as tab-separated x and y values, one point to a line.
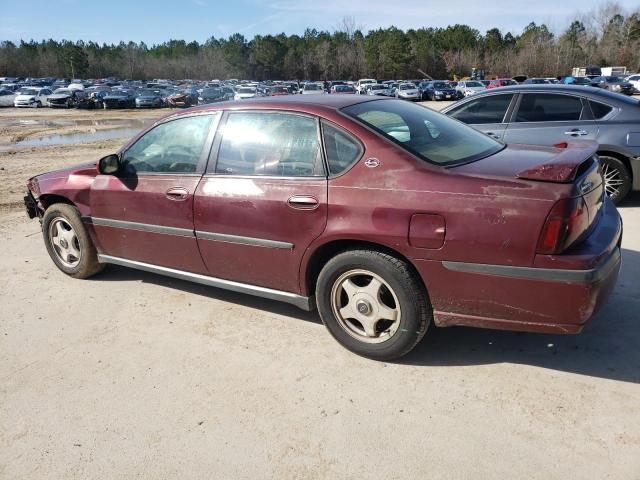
145	212
550	119
263	199
486	113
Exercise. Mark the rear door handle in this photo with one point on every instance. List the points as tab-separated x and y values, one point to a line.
575	132
177	194
303	202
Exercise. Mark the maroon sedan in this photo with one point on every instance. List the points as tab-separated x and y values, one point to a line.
384	214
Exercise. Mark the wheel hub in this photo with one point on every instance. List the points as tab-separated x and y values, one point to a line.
364	307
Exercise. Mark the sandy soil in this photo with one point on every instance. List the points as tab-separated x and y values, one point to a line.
19	163
131	374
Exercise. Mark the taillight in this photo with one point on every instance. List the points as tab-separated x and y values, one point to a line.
565	224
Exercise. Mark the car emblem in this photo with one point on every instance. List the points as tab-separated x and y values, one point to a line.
372	162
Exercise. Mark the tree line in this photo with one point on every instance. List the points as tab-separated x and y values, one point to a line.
606	36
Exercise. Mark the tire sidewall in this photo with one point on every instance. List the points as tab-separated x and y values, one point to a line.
411	326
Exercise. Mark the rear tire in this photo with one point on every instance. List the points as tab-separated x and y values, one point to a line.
68	242
617	179
373	304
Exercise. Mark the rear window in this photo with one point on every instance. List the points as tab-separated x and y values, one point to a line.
543	107
341	148
599	110
430	135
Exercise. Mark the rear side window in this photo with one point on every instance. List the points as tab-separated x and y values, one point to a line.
599	110
544	107
341	148
490	109
273	144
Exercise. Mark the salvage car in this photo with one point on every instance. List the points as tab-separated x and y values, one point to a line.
613	84
7	97
32	97
119	99
501	82
385	215
244	93
439	90
408	91
65	98
311	88
149	98
184	98
556	114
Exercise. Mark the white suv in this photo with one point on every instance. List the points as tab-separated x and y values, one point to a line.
360	85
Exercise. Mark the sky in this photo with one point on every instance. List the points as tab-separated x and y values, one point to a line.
160	20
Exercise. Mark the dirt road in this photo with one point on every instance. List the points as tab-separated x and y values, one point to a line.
135	375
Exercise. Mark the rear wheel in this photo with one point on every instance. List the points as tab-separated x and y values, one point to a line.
373	304
617	180
68	242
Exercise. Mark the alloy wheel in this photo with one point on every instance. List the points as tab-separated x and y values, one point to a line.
365	306
64	241
612	180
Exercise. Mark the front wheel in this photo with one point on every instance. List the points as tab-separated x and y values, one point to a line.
373	304
617	180
68	242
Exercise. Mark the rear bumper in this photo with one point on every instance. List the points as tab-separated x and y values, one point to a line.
536	299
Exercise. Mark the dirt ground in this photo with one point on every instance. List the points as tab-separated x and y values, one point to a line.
130	374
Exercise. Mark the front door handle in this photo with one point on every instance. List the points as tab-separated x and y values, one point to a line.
494	135
303	202
177	194
576	132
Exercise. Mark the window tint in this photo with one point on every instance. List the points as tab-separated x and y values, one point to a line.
174	146
599	109
341	148
270	144
490	109
430	135
544	107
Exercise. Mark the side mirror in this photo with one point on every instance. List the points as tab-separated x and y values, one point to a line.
109	165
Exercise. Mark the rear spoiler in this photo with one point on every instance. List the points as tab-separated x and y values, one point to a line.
564	166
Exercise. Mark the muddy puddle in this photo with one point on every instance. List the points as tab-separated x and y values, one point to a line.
73	138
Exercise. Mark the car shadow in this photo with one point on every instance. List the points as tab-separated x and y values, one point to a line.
607	347
116	273
632	200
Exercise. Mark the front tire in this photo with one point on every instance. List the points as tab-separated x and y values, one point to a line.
68	242
373	304
617	180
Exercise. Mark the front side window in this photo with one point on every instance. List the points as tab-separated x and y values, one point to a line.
171	147
273	144
341	148
429	135
546	107
489	109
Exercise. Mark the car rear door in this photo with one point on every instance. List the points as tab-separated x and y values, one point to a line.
487	113
263	199
549	119
145	213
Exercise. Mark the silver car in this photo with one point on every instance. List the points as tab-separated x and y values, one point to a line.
408	91
556	114
469	87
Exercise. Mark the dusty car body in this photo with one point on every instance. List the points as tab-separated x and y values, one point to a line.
357	205
119	99
34	97
7	97
183	99
149	98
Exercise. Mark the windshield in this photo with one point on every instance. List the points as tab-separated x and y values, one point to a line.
118	93
440	85
474	84
407	86
63	90
614	79
378	87
344	88
312	86
581	81
279	90
212	91
246	90
509	82
28	91
148	93
430	135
